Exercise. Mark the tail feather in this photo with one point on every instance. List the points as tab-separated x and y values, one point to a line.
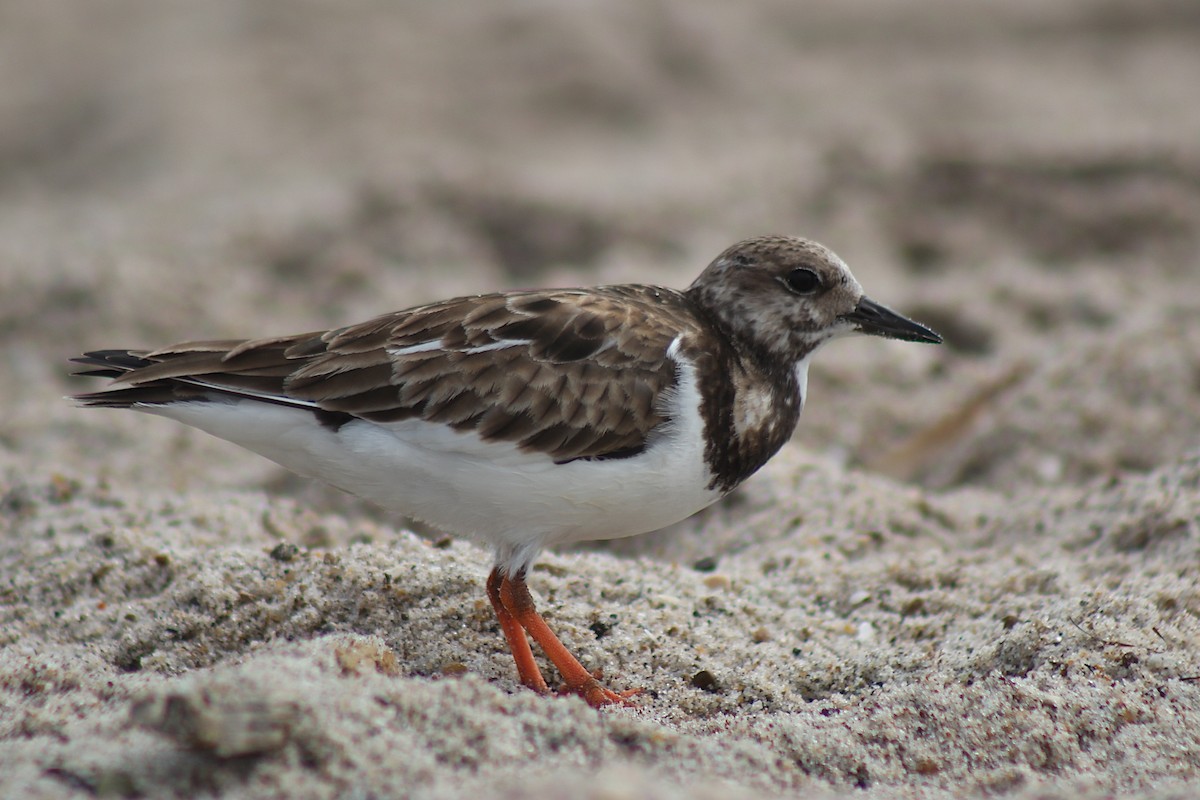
97	373
116	362
149	394
141	377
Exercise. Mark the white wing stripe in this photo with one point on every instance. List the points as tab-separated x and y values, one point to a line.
500	345
251	394
436	344
422	347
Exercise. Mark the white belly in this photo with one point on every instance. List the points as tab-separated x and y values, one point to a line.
492	491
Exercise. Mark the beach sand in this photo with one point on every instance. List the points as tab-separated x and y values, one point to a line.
974	572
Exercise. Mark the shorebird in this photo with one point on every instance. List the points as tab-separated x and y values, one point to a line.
527	419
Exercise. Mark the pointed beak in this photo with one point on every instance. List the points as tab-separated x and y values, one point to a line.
871	318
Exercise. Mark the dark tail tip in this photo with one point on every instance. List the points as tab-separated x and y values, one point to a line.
109	364
112	363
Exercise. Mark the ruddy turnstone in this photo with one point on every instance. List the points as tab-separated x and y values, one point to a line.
531	418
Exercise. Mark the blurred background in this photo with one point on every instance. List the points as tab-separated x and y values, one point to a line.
1023	176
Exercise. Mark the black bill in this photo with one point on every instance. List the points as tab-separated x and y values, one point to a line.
872	318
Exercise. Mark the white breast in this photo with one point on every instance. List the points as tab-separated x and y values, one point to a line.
514	500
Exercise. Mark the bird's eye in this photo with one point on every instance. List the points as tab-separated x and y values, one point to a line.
802	281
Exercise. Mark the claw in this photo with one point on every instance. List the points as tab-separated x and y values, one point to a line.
598	695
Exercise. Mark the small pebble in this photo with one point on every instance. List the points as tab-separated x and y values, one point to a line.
285	551
718	582
706	680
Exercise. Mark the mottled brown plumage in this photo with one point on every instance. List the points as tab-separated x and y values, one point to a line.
569	373
573	374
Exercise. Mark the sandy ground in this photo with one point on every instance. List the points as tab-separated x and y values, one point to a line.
974	572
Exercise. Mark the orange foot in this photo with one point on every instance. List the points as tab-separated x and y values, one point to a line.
517	615
597	694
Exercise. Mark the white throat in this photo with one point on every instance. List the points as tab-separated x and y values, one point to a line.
802	378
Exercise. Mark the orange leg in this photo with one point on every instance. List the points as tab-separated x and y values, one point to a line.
527	668
519	607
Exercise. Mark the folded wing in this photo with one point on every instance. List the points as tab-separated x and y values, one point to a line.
573	374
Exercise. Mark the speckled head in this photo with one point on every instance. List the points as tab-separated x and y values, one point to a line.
784	296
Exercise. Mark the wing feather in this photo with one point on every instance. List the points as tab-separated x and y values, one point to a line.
573	374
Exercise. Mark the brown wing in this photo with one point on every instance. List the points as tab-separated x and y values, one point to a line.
574	374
